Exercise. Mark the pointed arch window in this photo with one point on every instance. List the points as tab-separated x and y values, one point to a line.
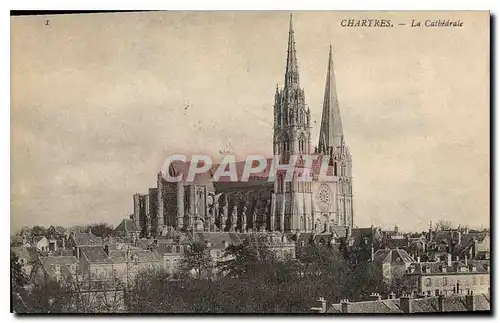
302	144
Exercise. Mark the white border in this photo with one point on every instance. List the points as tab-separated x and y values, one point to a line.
183	5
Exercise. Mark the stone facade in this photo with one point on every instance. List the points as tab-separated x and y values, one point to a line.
319	205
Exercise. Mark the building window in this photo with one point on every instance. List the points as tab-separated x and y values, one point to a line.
428	282
445	281
288	186
474	280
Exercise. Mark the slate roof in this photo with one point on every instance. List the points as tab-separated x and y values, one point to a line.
453	303
468	237
144	243
96	254
204	179
127	225
64	262
217	239
169	232
169	249
28	253
260	178
141	256
392	256
437	267
399	242
86	239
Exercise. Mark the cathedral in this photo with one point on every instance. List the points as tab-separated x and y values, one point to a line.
320	205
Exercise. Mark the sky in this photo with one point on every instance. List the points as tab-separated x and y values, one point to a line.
98	101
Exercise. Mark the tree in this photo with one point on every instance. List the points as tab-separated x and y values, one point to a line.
197	257
18	281
100	229
56	232
443	225
38	230
248	258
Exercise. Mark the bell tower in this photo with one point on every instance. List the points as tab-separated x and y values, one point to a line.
332	143
292	137
291	116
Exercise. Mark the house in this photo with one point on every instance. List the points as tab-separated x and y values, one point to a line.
128	262
449	277
97	266
55	268
77	239
392	263
216	241
371	236
171	254
408	305
474	245
128	229
41	243
27	256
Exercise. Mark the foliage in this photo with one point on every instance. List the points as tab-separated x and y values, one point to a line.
56	232
197	258
443	225
251	280
18	278
100	229
38	230
74	294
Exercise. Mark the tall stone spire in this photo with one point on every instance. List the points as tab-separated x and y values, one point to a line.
292	70
331	133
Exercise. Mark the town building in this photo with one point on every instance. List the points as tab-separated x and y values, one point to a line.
55	268
41	243
449	277
408	305
392	263
128	229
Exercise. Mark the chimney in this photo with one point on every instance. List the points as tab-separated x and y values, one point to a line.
469	302
441	303
64	243
344	304
474	247
392	295
465	260
449	260
459	240
372	253
418	258
405	303
375	297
